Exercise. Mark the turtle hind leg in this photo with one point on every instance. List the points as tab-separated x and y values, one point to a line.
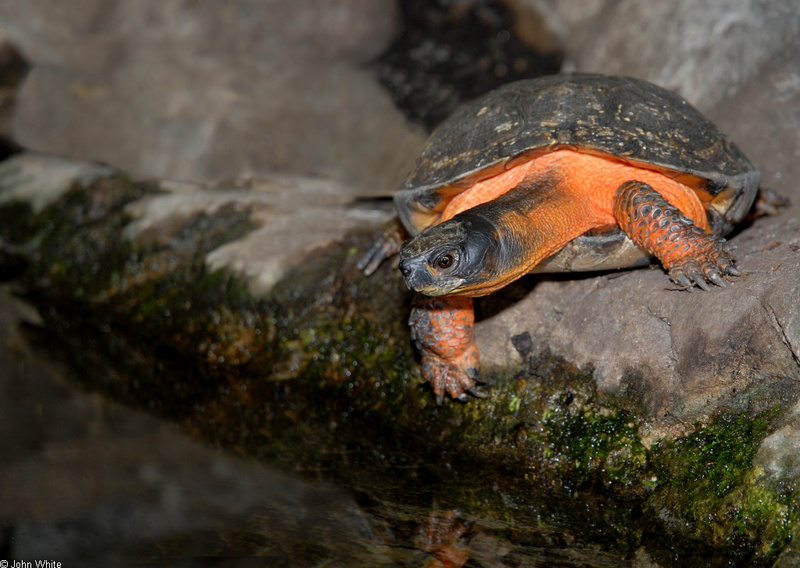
443	330
690	255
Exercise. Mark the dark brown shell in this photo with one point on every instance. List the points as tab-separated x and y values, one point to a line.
628	118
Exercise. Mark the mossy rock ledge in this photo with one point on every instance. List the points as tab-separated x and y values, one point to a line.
617	403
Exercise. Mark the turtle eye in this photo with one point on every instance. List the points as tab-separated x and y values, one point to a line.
445	261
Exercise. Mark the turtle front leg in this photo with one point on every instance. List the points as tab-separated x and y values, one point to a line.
443	329
383	246
690	255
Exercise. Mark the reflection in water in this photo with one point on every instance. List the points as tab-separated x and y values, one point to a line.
441	537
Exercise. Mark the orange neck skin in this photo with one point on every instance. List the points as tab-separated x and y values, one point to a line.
541	205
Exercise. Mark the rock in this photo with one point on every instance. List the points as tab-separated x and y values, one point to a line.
290	216
764	117
177	90
681	407
293	216
705	53
42	180
357	31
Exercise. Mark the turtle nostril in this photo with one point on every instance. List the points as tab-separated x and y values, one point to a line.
405	269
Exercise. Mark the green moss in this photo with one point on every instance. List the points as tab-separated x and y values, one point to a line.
708	484
712	459
17	222
548	426
604	445
74	244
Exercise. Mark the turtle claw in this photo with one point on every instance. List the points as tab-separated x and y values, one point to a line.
477	392
700	281
372	259
448	378
684	281
712	271
386	244
731	270
714	277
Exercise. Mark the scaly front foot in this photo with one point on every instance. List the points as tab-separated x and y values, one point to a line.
690	255
443	329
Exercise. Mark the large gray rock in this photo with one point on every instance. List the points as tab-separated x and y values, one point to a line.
209	91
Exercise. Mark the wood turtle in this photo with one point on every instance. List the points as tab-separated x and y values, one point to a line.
569	172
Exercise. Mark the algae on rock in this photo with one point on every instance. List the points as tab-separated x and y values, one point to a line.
320	375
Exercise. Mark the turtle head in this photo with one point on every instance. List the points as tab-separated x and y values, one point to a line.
454	257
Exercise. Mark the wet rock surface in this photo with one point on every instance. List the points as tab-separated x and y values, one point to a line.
90	482
233	308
